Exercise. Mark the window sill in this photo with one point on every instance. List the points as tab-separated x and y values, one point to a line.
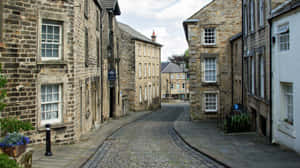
54	126
209	45
52	62
210	112
209	83
287	129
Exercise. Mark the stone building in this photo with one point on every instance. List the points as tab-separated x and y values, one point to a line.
56	59
256	62
208	34
140	70
174	82
237	66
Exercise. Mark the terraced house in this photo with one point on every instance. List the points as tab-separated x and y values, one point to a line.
140	74
56	56
208	34
174	81
256	62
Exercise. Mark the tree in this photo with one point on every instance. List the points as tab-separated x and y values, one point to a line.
180	59
3	82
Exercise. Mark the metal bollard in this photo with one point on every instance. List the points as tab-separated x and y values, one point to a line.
48	140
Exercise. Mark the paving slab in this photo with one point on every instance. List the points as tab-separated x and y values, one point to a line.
75	155
247	150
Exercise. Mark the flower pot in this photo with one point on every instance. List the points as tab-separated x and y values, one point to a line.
14	151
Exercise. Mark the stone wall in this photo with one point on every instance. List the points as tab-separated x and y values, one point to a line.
82	77
256	45
133	57
167	81
26	72
225	16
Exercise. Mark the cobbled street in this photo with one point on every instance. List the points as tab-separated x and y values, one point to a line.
150	142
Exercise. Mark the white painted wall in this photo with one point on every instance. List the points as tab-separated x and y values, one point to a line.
286	68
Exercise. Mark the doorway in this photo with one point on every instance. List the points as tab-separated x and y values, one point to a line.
112	102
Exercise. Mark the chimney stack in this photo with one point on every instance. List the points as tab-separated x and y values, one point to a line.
153	36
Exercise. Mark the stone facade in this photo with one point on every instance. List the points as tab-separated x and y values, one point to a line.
174	84
208	32
140	75
256	62
237	66
54	55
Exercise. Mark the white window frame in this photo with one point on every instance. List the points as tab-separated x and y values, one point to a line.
246	20
150	92
214	36
145	93
262	76
261	13
252	75
149	70
140	93
59	102
287	106
283	32
153	70
56	24
172	76
153	90
140	70
145	70
210	70
252	27
205	101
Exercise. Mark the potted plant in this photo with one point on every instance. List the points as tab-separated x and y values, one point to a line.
14	144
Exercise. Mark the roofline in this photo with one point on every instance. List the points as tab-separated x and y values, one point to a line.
185	23
239	35
205	6
154	43
99	4
290	8
116	8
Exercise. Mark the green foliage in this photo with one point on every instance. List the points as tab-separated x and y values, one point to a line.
237	123
6	162
13	125
3	82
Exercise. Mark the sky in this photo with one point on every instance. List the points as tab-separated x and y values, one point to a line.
165	17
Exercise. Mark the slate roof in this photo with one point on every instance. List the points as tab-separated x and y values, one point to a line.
135	34
163	65
172	68
285	7
112	4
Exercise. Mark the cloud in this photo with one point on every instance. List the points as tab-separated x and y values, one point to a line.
163	16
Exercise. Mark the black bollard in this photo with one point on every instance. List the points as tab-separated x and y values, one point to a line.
48	140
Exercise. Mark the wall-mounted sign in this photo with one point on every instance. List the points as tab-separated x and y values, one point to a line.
111	75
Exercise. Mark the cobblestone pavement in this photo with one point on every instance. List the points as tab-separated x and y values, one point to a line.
150	143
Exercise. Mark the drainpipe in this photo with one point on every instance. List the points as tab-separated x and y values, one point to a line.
101	63
271	78
232	83
243	38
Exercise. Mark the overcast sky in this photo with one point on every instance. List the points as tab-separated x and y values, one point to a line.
163	16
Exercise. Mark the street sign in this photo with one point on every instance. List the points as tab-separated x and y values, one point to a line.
112	75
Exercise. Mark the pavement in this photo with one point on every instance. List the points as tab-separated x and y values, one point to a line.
75	155
246	150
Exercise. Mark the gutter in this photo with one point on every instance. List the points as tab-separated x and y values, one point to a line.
271	78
